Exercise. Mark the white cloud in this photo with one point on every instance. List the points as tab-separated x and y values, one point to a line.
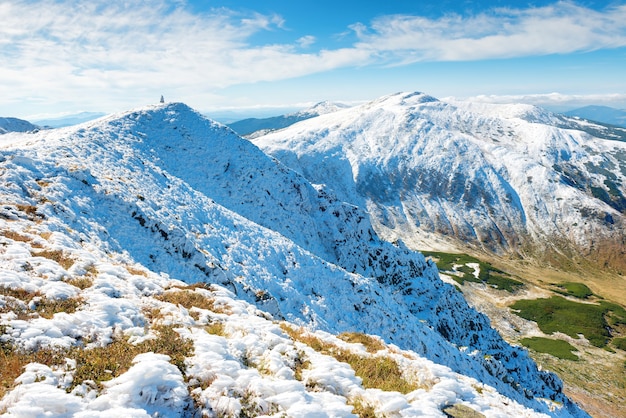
124	53
306	41
503	33
120	49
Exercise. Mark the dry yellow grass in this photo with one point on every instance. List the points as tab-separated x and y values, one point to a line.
215	328
15	236
136	271
105	363
57	256
372	344
96	364
190	299
380	372
362	409
81	282
48	307
14	360
29	210
45	307
13	297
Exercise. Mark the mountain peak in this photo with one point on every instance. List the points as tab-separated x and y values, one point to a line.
406	99
321	108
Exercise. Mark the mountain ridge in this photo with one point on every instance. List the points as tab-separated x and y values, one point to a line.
187	198
70	120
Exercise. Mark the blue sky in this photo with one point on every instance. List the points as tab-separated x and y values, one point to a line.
67	56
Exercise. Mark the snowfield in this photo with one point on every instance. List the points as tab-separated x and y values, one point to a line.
153	263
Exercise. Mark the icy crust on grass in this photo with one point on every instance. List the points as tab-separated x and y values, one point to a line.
118	199
248	371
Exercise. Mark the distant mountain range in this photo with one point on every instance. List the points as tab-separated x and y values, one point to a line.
258	126
602	114
69	120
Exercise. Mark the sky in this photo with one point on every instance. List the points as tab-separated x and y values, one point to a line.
60	57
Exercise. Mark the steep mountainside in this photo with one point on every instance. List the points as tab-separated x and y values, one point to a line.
133	200
264	125
506	179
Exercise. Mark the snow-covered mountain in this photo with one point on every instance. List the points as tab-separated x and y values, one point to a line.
16	125
506	179
109	228
263	125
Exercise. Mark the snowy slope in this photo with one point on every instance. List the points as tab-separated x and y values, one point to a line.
452	175
135	201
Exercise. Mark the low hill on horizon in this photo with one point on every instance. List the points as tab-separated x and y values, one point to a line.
603	114
257	126
8	124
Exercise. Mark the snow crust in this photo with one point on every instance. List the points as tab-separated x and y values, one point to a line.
157	197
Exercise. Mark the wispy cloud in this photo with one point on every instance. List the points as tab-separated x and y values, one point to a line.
503	33
55	50
120	48
306	41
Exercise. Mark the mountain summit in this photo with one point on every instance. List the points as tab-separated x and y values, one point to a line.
503	179
165	236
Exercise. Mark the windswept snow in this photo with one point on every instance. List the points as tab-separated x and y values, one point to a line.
101	224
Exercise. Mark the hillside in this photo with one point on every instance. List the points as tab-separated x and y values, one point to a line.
506	180
162	239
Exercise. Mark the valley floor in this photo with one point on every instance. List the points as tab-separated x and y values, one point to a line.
597	381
